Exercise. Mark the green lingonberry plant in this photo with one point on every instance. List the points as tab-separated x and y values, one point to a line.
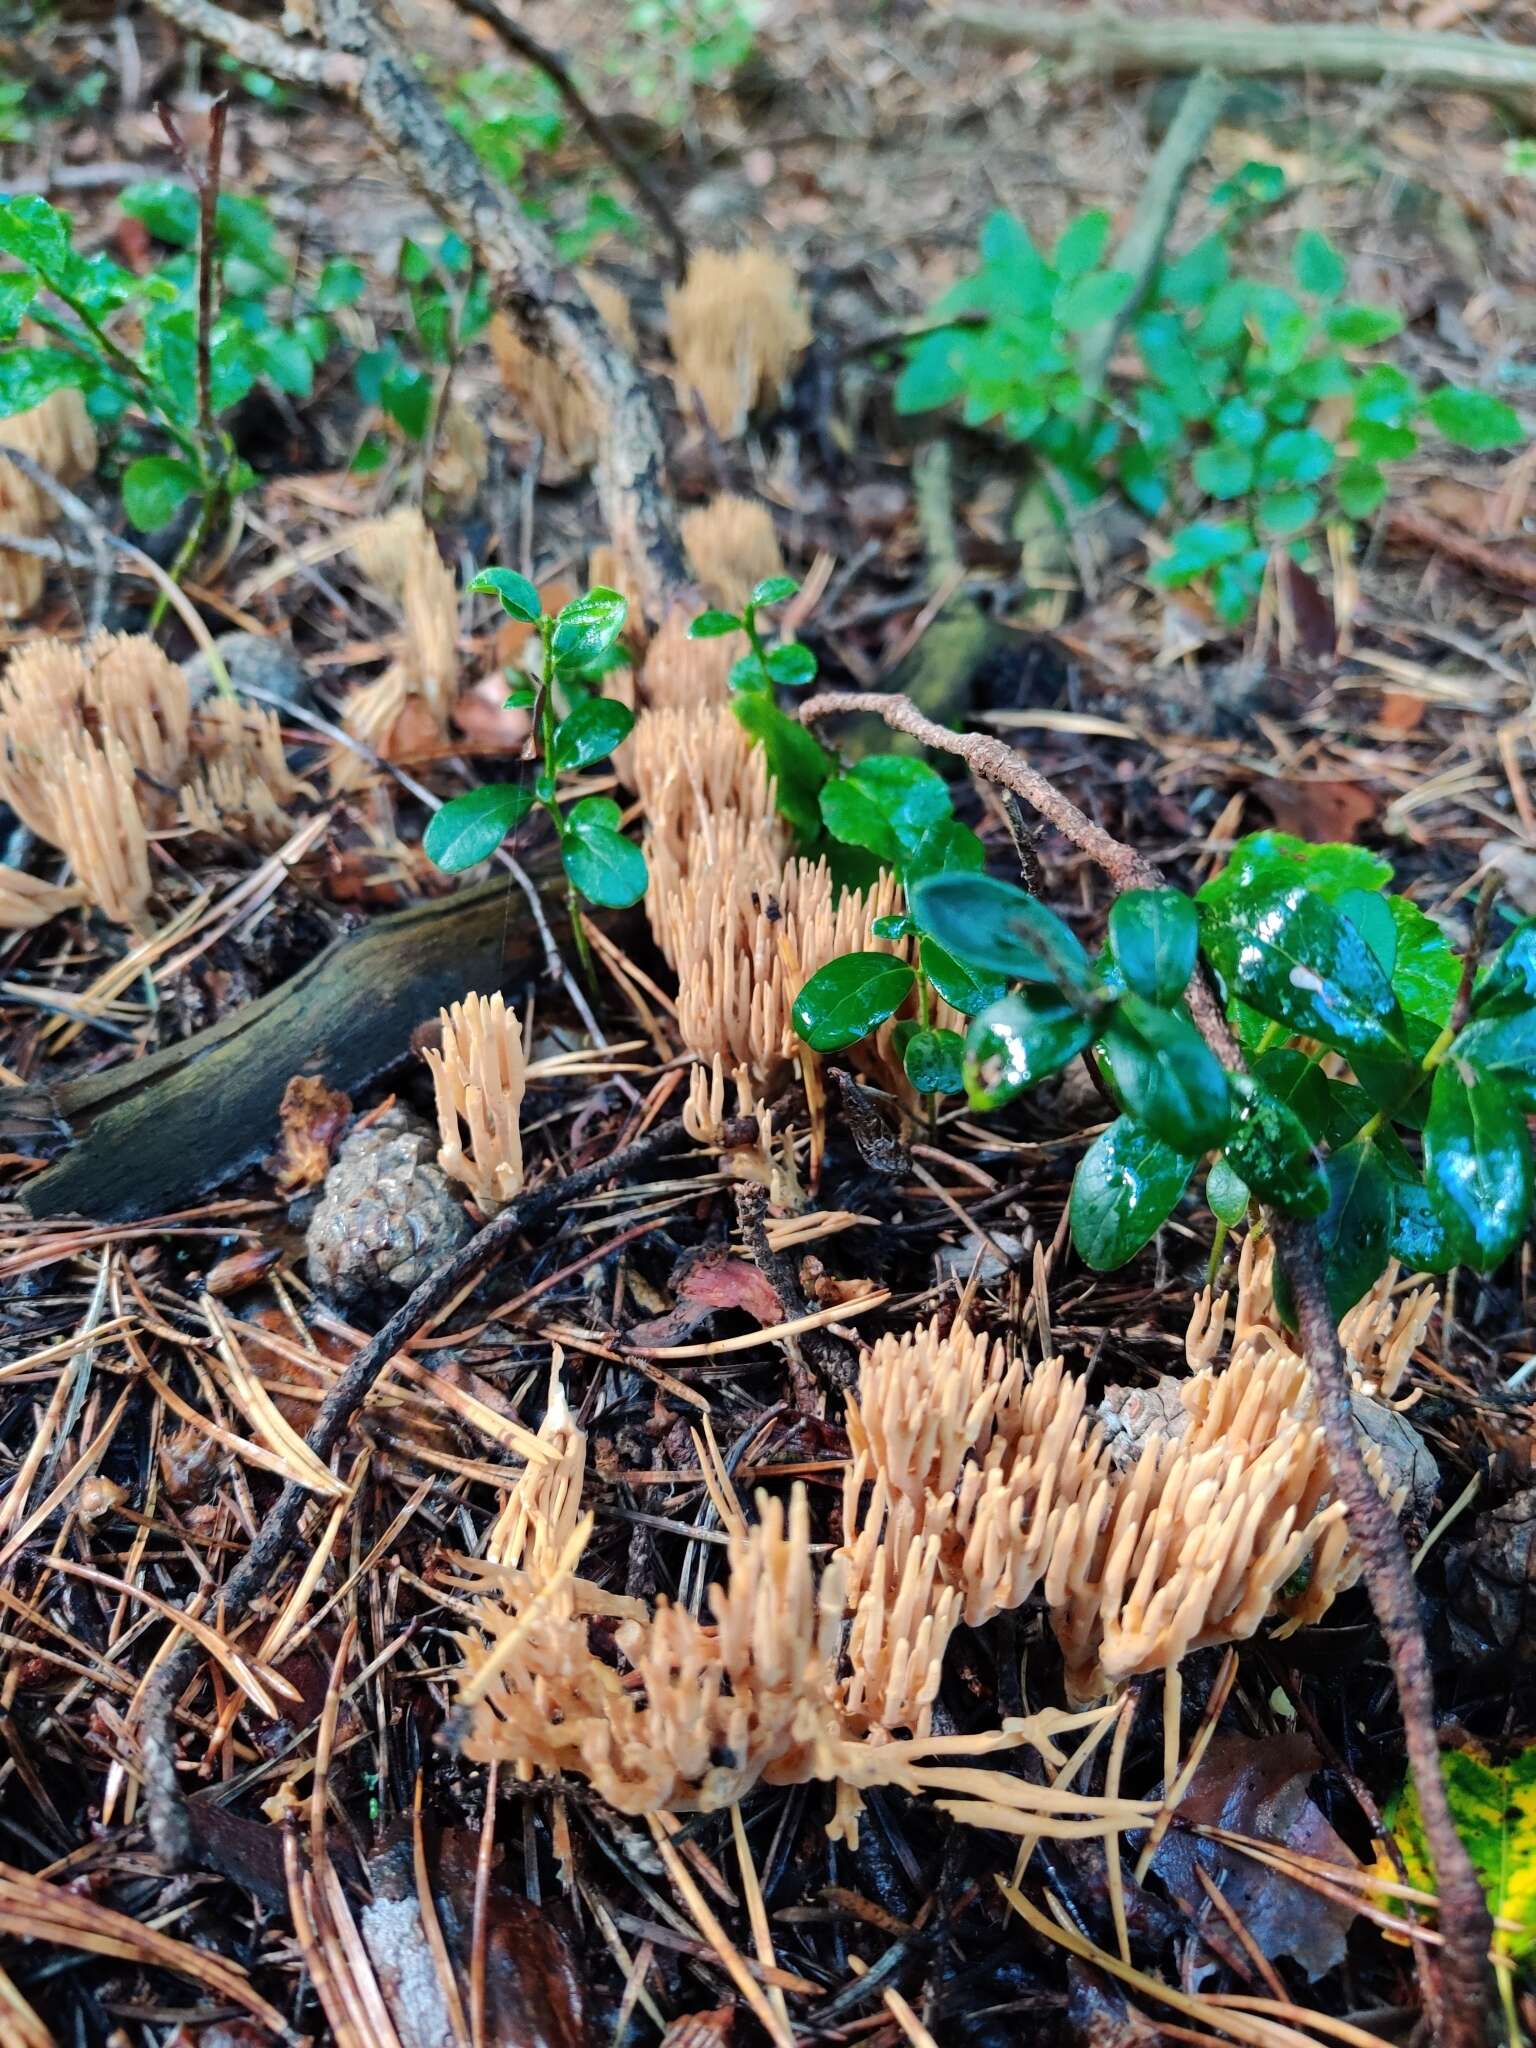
1259	415
516	123
576	647
448	304
130	343
1369	1105
885	810
677	47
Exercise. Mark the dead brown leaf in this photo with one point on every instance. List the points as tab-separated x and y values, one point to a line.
311	1118
1260	1789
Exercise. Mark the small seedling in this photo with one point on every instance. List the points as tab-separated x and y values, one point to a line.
575	645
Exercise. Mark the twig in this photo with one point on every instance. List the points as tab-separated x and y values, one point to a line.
263	1563
830	1357
1463	1990
262	48
205	182
101	536
545	301
618	152
1106	42
1461	1008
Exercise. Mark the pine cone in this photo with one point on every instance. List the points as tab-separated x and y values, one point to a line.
386	1215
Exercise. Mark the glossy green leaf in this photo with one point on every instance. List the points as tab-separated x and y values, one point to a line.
1318	265
1165	1075
1419	1239
966	989
1226	1196
1502	1046
850	997
1269	857
1285	512
1198	273
1223	471
469	828
167	209
1154	936
944	848
1018	1041
1290	955
1271	1149
1477	1163
853	816
993	924
1508	982
1359	487
1297	455
590	732
518	597
1426	973
912	795
341	283
773	590
1472	419
1082	244
934	1062
588	627
797	760
1088	301
155	488
1300	1084
1371	915
714	626
1127	1185
608	869
1355	1227
792	665
1361	326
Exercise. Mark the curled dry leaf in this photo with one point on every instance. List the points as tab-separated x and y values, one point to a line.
1260	1788
311	1117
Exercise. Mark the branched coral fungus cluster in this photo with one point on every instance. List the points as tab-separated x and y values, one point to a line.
59	437
696	1712
736	326
972	1484
100	747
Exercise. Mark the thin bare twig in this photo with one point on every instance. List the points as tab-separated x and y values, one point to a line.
169	1826
101	536
205	182
1100	40
618	152
1459	1981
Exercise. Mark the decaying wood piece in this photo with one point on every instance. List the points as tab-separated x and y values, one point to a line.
362	59
1107	42
154	1134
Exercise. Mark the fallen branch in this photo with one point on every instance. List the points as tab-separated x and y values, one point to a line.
263	1563
1461	1998
618	152
368	64
1106	42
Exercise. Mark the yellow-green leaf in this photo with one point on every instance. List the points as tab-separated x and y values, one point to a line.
1494	1807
